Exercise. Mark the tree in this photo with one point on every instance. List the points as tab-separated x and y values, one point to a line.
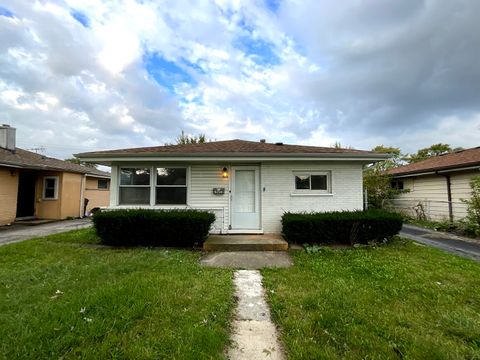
338	145
79	162
432	150
376	182
183	139
473	207
397	158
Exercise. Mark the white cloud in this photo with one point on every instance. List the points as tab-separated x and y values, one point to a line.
358	73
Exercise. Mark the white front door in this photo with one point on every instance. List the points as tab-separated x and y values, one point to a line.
245	198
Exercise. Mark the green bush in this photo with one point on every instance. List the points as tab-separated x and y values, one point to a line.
179	228
345	227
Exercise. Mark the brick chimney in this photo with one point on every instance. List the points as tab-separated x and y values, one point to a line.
7	137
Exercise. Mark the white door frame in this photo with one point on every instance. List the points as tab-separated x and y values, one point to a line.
233	227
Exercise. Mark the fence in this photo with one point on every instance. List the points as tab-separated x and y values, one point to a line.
429	209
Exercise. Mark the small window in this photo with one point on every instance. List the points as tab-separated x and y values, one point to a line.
50	188
397	185
313	182
102	184
134	186
171	186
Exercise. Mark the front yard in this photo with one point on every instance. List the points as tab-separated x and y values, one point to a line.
127	303
65	297
397	301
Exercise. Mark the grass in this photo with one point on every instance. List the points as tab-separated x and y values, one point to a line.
111	303
395	301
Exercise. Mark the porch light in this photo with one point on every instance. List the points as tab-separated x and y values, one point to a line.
225	173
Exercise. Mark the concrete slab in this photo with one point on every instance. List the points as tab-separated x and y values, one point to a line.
254	335
245	242
247	259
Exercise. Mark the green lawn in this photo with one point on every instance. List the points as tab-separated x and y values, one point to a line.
396	301
127	303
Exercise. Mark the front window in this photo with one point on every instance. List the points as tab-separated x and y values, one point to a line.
134	186
171	186
315	182
50	187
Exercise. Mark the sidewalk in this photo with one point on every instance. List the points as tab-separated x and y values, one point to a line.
458	245
19	232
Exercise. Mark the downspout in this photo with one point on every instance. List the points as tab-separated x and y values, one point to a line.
82	195
449	195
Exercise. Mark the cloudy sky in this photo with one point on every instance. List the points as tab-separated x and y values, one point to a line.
83	75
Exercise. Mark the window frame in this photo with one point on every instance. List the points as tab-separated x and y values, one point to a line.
397	184
120	186
102	188
155	185
310	191
55	189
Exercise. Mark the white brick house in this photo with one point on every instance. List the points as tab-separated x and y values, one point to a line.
248	185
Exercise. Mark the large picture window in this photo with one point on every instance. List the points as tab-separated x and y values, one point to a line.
315	182
134	186
171	186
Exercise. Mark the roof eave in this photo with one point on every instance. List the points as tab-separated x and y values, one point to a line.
96	157
39	167
197	157
435	171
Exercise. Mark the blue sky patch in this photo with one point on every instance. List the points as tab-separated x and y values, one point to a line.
272	5
81	18
260	51
5	12
166	73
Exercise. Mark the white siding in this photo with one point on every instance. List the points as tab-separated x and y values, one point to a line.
278	181
276	189
461	190
431	192
203	178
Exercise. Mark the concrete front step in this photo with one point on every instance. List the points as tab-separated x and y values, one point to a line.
266	242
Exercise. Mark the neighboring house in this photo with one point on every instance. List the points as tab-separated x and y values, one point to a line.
36	186
248	185
435	186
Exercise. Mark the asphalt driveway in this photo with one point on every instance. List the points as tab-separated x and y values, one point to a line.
19	232
465	247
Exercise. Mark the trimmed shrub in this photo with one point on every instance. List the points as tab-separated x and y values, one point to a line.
345	227
139	227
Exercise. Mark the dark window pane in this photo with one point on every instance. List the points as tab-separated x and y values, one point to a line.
302	182
171	196
397	185
319	182
49	193
50	183
135	176
171	176
102	184
134	196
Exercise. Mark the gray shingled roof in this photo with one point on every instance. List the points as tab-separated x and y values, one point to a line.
456	160
227	148
29	160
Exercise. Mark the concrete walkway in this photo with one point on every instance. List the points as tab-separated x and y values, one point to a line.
465	247
17	232
254	335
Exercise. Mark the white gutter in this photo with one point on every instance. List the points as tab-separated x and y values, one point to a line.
228	158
